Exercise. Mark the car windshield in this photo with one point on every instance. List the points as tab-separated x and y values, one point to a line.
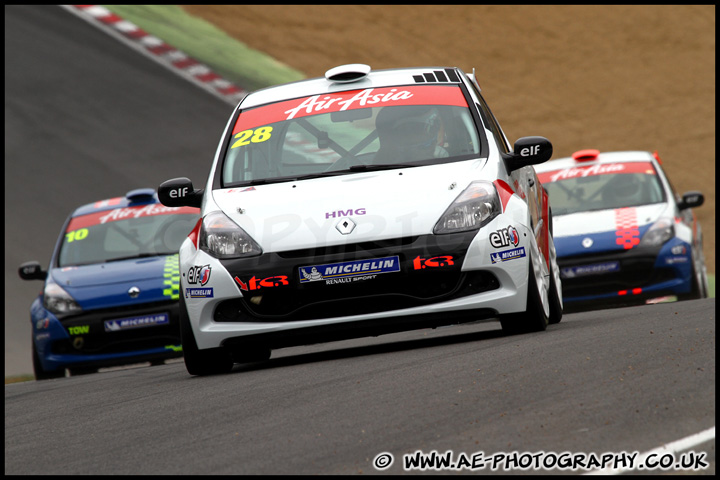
351	131
130	232
602	187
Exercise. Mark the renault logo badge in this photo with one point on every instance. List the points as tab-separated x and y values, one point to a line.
345	226
587	242
134	292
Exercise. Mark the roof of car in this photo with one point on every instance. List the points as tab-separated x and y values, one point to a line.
584	158
140	196
351	77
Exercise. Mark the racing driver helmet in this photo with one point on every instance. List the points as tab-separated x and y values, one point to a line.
410	133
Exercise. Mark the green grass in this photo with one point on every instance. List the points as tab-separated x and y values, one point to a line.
19	378
202	41
711	285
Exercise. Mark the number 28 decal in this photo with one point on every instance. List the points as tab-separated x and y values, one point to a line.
246	137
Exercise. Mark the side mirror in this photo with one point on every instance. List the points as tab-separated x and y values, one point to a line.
691	200
179	192
528	151
31	271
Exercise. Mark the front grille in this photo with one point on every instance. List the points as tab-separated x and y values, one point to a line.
300	305
635	271
88	335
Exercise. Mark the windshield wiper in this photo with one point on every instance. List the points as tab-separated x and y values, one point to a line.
331	173
372	168
135	257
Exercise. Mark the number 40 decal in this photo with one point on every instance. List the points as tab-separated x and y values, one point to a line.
247	137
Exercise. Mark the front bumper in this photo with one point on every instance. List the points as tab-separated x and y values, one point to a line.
629	277
108	337
381	286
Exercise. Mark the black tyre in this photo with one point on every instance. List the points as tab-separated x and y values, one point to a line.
533	319
555	295
40	373
247	354
75	371
556	308
200	362
696	290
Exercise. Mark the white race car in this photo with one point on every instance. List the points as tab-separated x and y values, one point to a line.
363	203
623	235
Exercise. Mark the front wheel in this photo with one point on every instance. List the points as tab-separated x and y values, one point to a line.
200	362
40	373
555	294
533	319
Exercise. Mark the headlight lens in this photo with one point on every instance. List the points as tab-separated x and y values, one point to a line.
659	233
223	238
57	300
473	208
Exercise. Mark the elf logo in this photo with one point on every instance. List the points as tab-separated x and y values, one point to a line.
199	274
505	237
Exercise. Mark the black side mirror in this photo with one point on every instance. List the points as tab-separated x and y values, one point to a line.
528	151
31	271
691	200
179	192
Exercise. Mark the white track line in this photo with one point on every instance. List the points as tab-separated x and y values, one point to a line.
672	447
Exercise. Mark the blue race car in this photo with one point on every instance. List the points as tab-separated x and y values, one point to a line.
112	289
623	235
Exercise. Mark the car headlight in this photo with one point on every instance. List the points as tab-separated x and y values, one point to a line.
57	300
659	233
223	238
474	207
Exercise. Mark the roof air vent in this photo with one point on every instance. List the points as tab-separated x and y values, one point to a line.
586	155
140	195
348	73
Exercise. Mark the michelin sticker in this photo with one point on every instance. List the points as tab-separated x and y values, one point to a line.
136	322
506	255
596	269
198	293
346	272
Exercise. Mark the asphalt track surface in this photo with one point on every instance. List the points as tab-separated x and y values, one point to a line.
88	118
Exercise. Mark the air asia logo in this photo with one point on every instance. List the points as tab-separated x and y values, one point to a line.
505	237
135	212
573	172
363	97
199	275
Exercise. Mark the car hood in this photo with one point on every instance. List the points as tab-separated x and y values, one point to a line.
602	231
348	208
107	284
